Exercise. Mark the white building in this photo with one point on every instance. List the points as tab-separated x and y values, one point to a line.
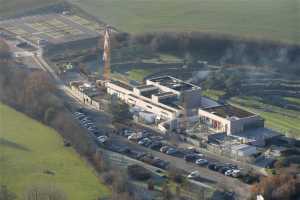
229	119
169	98
161	96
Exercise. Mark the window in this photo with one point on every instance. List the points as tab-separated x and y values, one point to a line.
149	107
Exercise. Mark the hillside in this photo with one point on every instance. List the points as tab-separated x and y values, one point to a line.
271	19
29	149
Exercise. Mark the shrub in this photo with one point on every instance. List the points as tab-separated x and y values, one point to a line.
138	172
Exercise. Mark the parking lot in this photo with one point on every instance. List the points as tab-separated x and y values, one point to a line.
151	148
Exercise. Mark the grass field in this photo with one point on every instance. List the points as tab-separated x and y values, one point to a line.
13	7
138	74
28	148
293	100
271	19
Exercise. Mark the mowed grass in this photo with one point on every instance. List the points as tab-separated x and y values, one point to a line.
12	7
293	100
270	19
138	74
213	94
29	148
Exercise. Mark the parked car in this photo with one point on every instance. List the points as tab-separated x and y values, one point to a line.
102	138
88	124
164	149
80	115
192	157
193	175
84	121
96	133
201	162
172	151
145	142
135	136
156	145
160	163
157	138
218	167
211	166
233	172
127	132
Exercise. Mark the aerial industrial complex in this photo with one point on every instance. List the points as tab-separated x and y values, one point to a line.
173	105
159	121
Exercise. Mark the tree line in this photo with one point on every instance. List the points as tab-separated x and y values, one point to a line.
217	49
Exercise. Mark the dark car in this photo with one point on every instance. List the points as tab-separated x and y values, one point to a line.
191	157
172	151
250	179
155	145
224	169
218	167
211	166
160	163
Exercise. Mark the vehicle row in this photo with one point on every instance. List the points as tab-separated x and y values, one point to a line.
86	122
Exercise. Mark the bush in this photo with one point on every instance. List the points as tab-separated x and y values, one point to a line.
138	172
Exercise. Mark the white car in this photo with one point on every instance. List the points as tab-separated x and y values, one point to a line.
228	172
236	173
201	161
102	138
194	174
77	113
135	136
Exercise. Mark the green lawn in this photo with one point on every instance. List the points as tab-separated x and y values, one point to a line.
138	74
280	119
28	148
293	100
13	7
213	94
271	19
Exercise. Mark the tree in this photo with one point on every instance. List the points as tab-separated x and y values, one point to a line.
44	192
277	187
120	111
166	192
5	194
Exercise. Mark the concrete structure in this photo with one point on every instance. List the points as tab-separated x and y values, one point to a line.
163	96
87	93
229	119
147	97
243	150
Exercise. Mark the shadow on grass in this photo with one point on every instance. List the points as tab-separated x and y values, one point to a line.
7	143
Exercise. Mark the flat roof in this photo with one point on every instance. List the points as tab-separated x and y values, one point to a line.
145	87
152	103
242	147
164	94
174	83
229	111
53	28
122	84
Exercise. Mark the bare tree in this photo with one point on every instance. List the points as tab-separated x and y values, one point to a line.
44	192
